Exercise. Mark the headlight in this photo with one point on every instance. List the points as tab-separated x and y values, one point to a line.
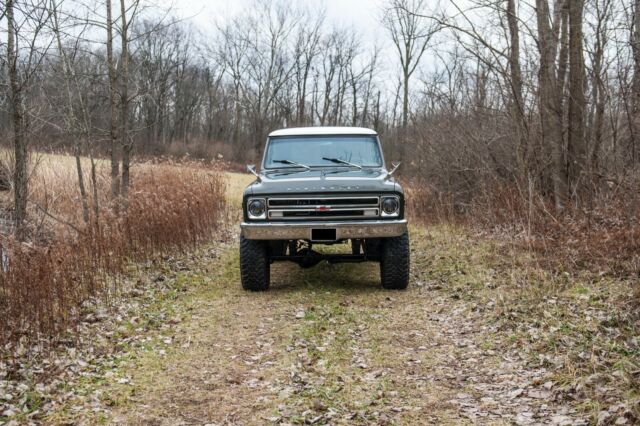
257	208
390	206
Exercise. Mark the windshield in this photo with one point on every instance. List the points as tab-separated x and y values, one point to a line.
322	151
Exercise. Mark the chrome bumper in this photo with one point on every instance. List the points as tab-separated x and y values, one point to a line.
302	231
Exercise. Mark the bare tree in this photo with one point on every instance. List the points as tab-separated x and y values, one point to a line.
73	127
576	150
125	137
23	35
305	51
234	48
113	111
635	89
510	79
368	86
517	102
411	34
599	92
18	111
550	93
269	68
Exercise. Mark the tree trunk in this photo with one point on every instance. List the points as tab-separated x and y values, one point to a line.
599	95
113	111
550	100
635	88
376	114
303	94
96	200
71	122
517	105
20	178
237	115
125	137
354	112
81	185
367	95
405	99
576	149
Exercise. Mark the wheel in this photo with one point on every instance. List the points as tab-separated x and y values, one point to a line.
394	262
254	265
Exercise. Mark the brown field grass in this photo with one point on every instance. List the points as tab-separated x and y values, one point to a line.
602	237
45	281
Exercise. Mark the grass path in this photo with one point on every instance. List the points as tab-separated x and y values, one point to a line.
328	345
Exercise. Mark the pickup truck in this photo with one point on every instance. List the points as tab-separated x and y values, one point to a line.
323	186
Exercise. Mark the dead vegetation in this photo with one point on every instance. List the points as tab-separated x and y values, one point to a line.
478	337
603	237
486	333
561	290
45	281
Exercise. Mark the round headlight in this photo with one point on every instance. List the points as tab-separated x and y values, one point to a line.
256	208
390	205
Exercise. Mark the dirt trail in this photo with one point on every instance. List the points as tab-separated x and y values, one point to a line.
328	345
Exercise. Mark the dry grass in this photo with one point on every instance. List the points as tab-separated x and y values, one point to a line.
328	343
602	237
171	207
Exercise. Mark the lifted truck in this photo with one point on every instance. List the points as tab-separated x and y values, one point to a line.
323	185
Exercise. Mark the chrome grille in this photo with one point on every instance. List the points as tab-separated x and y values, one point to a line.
323	207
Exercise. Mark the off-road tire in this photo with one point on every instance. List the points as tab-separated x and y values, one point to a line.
254	265
394	262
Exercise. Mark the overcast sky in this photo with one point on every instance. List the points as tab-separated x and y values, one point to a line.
362	14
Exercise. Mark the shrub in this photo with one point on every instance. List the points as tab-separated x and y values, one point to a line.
602	235
43	285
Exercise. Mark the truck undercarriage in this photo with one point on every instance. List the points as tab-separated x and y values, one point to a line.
302	252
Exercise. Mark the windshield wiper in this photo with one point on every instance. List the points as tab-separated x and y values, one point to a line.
281	172
339	161
293	163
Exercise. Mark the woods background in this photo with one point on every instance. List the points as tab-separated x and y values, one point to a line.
540	99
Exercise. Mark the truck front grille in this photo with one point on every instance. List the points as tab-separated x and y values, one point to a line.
319	208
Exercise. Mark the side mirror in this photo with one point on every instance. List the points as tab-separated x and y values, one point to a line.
393	169
251	168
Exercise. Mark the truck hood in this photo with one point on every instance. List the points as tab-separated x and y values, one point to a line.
323	181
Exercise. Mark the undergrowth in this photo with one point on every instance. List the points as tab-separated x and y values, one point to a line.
579	325
44	282
602	235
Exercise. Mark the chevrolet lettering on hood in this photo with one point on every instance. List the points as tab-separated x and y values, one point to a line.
320	186
324	188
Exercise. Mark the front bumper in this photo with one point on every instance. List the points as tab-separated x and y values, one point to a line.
303	231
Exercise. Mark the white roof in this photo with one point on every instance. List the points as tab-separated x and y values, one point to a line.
315	131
